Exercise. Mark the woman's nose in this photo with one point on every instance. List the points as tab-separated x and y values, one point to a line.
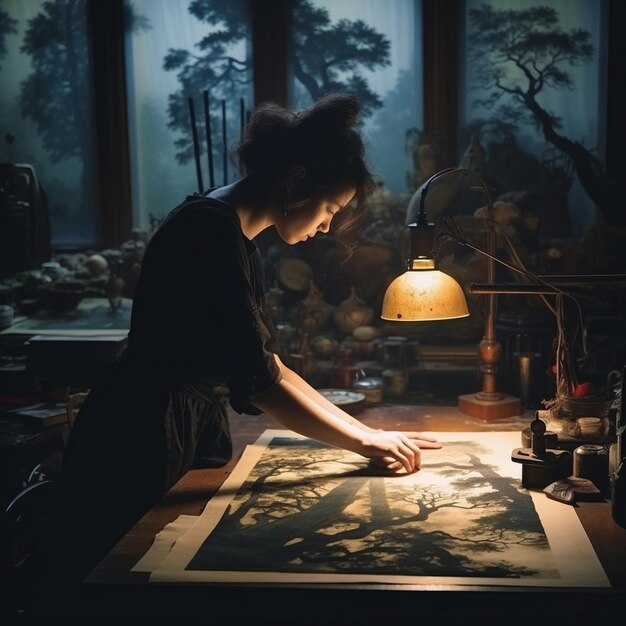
324	227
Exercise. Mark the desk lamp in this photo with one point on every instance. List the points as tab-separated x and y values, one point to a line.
423	293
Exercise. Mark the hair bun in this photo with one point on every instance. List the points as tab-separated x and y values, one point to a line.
337	110
321	139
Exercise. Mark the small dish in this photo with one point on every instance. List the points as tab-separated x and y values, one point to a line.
350	401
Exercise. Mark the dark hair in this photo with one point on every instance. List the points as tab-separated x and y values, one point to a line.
321	145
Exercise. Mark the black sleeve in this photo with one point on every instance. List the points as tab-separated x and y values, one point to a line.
225	313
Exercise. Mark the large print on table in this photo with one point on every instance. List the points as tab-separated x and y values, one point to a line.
294	510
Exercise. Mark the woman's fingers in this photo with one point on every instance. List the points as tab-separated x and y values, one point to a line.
407	453
387	463
424	441
399	447
384	460
413	454
428	445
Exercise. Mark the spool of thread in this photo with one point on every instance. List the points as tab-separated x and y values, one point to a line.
592	462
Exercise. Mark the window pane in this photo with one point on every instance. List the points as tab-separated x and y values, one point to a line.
379	44
533	117
45	105
181	49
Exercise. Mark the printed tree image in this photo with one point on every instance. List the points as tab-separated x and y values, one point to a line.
518	56
326	57
308	507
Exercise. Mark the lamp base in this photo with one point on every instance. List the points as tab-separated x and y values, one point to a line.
505	406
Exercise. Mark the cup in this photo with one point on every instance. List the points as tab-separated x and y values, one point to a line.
589	426
396	381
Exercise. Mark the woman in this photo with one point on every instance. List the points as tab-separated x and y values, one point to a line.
199	326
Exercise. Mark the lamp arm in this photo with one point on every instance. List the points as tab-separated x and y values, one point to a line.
446	232
526	289
539	285
421	216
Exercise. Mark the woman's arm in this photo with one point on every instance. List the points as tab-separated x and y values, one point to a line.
316	396
299	407
422	440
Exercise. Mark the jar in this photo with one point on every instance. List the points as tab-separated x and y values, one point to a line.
392	352
371	387
345	371
396	381
589	426
592	462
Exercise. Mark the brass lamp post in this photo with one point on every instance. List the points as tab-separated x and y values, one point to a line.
423	294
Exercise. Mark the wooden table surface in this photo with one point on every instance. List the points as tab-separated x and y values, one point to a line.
127	591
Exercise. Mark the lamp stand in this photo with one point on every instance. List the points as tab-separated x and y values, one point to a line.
489	403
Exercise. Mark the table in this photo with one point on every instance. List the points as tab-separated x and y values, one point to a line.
114	588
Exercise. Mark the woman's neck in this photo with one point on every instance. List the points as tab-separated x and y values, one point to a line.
242	197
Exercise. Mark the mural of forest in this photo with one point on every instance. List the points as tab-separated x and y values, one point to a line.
208	47
526	67
309	508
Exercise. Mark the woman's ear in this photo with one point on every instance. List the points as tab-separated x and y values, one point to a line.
295	176
294	195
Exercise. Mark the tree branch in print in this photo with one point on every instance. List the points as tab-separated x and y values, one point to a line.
306	507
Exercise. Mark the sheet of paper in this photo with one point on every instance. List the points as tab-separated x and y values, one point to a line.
294	510
164	542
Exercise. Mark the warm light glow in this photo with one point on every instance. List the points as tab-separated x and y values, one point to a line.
422	294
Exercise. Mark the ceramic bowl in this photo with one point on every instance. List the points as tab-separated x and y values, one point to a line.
62	296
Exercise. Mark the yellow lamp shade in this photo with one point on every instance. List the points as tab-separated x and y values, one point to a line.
424	294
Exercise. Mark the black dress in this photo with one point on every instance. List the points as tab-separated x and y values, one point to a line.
199	337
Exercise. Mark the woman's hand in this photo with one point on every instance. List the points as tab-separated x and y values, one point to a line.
395	464
396	450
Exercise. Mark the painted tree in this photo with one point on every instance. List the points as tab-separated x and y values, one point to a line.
7	27
56	94
327	57
331	57
315	507
518	55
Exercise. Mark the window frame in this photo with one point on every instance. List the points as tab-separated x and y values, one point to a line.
270	28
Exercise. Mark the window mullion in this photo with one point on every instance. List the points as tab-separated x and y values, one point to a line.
441	65
106	30
270	44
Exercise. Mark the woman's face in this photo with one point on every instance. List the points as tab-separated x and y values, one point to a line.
315	216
